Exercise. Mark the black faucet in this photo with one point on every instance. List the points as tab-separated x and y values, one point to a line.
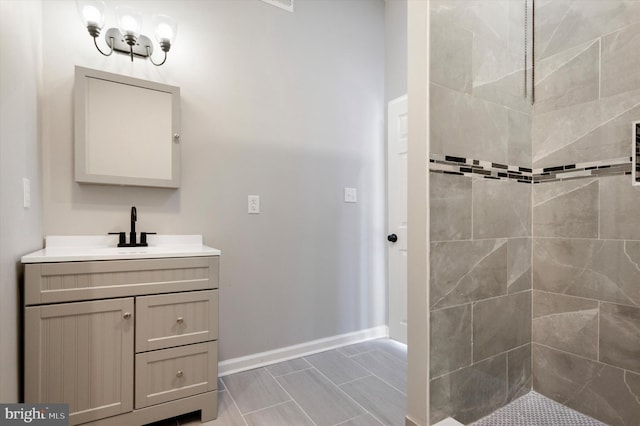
132	234
122	239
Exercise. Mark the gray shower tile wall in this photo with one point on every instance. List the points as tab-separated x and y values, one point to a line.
566	323
450	201
605	270
594	388
586	232
619	208
518	264
562	24
620	336
566	209
501	324
480	278
467	126
586	296
535	285
587	80
477	81
480	229
501	209
618	57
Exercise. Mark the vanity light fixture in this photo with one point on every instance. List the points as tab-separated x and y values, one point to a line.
127	38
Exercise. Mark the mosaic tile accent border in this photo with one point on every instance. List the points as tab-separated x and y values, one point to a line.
637	152
448	164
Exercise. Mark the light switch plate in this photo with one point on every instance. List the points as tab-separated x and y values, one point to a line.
253	204
26	193
350	195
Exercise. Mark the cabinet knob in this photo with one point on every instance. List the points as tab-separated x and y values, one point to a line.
126	315
179	373
180	320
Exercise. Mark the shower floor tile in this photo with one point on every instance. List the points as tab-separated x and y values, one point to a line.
534	409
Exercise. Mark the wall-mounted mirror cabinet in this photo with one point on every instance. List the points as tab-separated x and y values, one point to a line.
635	152
127	130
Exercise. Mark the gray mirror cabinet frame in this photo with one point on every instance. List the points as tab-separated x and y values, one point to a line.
127	130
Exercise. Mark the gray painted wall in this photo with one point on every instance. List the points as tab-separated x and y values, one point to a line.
286	106
395	19
20	228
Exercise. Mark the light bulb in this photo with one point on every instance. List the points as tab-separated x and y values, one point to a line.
91	15
91	12
165	30
129	21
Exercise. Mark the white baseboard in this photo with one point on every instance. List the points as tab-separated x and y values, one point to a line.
249	362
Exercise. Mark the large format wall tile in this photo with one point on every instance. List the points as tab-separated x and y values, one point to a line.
465	271
566	209
606	393
568	78
518	264
451	55
450	339
604	270
498	74
470	393
500	324
518	372
621	61
487	19
450	207
465	126
519	142
620	336
501	209
590	131
619	208
562	24
566	323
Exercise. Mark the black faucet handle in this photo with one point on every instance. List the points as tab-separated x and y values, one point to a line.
143	238
122	239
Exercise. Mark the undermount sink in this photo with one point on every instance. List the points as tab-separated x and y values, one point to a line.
104	247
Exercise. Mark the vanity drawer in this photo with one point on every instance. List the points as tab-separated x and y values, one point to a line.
176	319
174	373
76	281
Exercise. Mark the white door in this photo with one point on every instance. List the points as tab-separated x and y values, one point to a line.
397	214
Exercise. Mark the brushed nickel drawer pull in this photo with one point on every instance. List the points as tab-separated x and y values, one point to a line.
179	373
180	320
126	315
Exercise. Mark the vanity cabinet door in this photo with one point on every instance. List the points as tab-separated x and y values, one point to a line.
81	354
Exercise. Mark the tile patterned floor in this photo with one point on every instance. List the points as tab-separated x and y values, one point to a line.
358	385
534	409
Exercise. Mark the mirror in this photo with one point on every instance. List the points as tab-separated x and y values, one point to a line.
635	152
127	130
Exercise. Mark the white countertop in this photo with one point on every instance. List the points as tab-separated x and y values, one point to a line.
104	247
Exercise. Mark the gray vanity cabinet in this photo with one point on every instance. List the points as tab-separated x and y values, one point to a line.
80	353
124	341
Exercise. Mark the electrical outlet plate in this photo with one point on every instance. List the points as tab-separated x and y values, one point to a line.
253	204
